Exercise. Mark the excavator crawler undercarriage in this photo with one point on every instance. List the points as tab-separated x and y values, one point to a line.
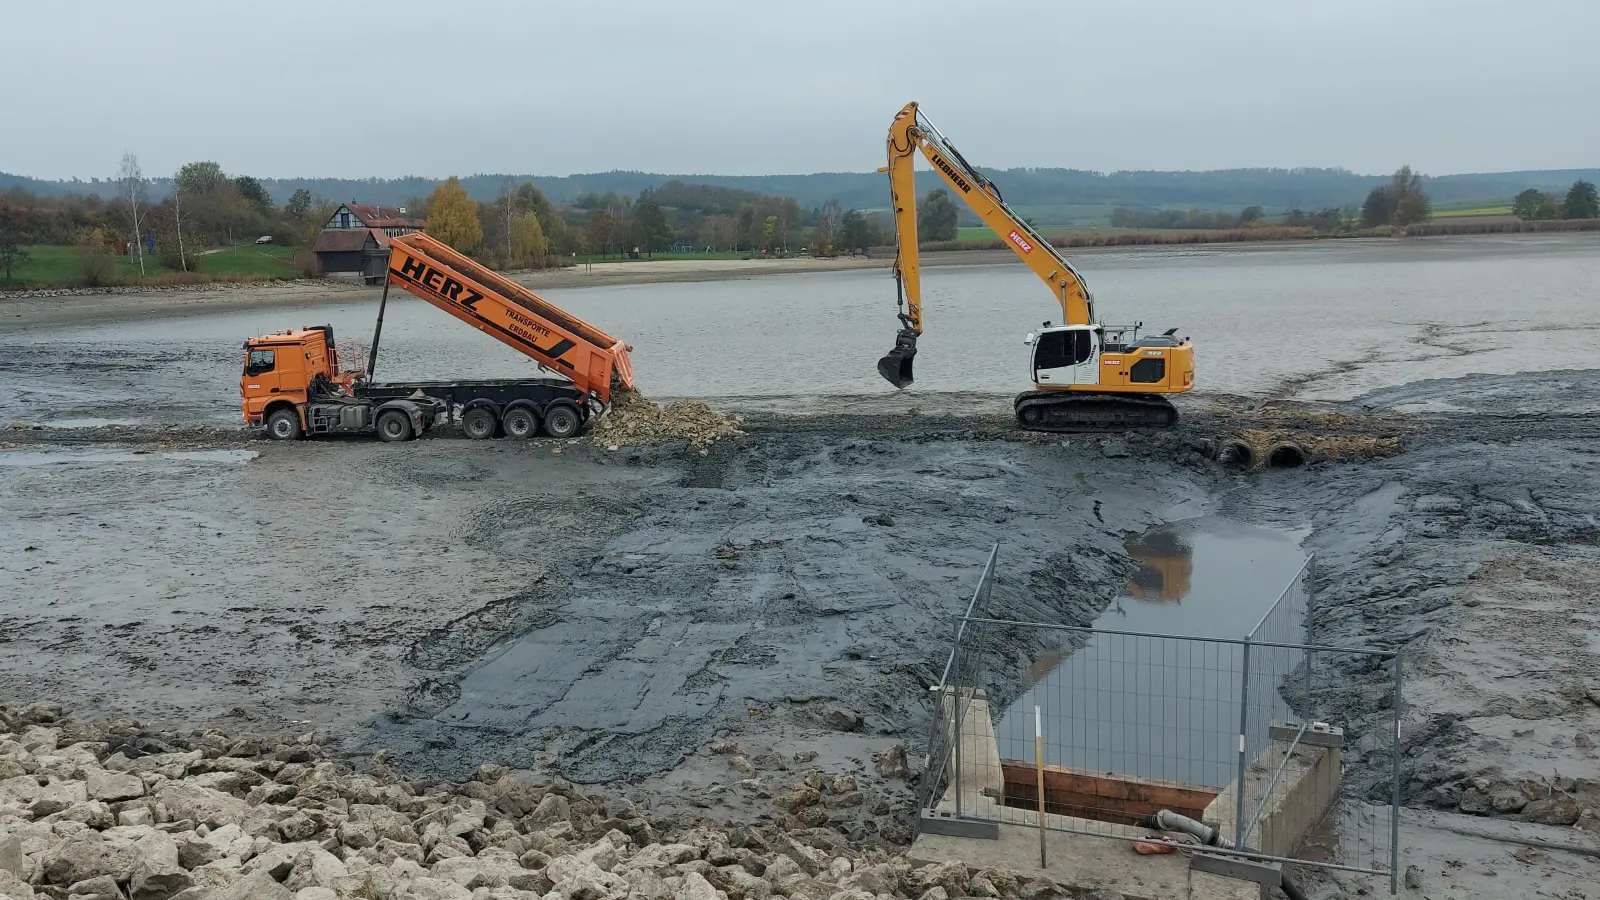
1061	411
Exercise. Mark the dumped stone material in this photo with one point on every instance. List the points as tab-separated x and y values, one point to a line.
214	815
634	420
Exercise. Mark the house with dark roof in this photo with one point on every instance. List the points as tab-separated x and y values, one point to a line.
355	241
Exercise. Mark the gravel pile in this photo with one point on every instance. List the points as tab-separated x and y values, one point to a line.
104	811
634	420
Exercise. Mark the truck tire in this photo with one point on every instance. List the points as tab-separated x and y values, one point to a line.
520	422
478	423
561	421
283	424
394	425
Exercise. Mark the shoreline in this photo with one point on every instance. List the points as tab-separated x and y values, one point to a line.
21	310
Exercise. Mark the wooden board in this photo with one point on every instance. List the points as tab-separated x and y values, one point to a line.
1103	798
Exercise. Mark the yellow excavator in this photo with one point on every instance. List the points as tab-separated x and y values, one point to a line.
1086	376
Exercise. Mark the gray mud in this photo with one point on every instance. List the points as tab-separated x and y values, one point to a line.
610	615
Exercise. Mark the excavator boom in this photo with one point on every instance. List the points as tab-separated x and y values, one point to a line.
510	313
911	133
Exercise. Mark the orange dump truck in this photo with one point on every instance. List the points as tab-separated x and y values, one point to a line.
295	384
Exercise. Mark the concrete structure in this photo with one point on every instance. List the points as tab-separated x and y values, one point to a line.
1078	853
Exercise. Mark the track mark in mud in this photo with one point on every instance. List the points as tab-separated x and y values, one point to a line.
466	637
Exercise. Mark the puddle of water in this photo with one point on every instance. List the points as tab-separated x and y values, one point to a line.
1153	706
24	458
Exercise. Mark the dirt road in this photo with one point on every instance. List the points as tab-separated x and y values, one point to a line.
609	614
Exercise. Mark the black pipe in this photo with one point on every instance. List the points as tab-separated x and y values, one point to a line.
377	330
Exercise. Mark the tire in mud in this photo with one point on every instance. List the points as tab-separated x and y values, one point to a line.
393	426
478	423
520	423
561	421
283	425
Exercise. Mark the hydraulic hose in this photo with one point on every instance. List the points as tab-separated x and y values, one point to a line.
1167	820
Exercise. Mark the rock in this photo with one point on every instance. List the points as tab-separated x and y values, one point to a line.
741	765
842	801
315	893
952	876
256	886
298	827
780	868
385	822
387	851
797	799
357	835
1583	741
602	856
1474	801
695	887
102	887
1557	809
11	858
214	808
1589	820
14	888
92	813
85	856
553	808
1103	894
136	815
841	719
1413	878
157	880
841	784
805	756
433	889
981	886
744	886
1507	800
114	786
315	867
271	792
1114	449
277	860
57	796
657	856
935	893
882	520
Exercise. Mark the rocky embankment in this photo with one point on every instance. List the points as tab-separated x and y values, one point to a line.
104	811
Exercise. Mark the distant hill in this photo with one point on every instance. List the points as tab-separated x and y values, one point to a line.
1272	188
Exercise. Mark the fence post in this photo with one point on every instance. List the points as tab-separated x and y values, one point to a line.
1394	776
956	714
1244	721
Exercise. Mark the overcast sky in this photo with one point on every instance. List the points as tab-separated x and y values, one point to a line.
280	88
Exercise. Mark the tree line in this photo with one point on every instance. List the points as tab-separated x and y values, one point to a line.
1282	188
1581	202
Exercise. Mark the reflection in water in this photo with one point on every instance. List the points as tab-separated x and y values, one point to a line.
1165	561
1160	707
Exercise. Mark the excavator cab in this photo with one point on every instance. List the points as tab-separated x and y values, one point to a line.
1065	355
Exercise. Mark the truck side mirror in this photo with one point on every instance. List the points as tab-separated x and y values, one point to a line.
1028	341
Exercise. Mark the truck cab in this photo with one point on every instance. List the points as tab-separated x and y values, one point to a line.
280	370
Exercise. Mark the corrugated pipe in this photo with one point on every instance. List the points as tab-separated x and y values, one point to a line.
1286	455
1167	820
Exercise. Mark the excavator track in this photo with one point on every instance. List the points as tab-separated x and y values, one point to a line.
1063	411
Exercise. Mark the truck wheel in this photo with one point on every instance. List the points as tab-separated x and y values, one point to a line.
561	421
283	425
521	423
394	425
478	423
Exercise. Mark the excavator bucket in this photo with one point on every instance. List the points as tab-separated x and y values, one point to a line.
896	364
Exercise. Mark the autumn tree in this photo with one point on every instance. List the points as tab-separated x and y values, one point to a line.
453	216
299	204
651	231
601	232
251	191
1400	202
936	217
1582	201
131	188
12	252
1526	205
199	178
527	238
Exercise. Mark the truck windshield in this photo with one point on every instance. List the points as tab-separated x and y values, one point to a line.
259	361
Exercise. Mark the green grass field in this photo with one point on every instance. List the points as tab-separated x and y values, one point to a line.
1453	212
53	264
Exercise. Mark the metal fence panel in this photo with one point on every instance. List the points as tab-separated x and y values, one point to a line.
1133	719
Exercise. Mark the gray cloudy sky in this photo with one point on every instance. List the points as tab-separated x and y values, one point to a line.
397	87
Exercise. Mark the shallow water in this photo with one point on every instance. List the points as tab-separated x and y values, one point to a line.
1157	707
1359	314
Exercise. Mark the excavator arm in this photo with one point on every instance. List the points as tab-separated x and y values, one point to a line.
910	134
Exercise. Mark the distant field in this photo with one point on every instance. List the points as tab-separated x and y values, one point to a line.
54	264
1458	213
983	233
740	254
